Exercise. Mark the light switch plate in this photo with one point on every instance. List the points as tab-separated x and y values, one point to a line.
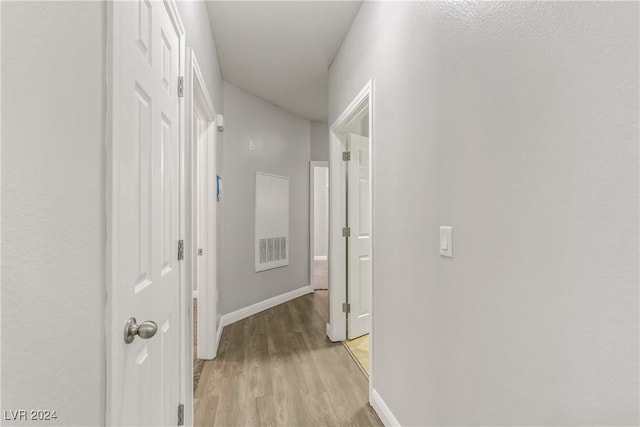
446	241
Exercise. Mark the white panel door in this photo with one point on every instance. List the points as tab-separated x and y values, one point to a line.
359	242
145	274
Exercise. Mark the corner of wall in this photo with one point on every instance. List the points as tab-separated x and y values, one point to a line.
383	411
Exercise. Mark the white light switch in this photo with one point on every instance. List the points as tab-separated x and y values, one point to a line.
446	241
444	245
252	145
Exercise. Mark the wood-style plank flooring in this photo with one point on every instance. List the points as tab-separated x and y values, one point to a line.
197	363
277	368
359	348
321	274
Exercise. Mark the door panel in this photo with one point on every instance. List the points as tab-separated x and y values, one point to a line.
145	217
359	243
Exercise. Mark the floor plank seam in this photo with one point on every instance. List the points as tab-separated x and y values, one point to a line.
278	368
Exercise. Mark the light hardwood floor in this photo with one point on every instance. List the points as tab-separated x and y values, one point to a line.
321	274
359	347
277	368
197	363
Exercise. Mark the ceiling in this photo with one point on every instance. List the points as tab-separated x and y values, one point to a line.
281	50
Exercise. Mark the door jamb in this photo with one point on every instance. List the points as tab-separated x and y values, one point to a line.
337	326
312	165
198	95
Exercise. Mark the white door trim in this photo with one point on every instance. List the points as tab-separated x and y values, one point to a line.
337	326
114	60
312	165
198	98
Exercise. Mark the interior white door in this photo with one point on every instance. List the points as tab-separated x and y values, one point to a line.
145	273
359	241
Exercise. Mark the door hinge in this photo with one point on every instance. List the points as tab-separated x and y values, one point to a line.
346	307
181	414
346	156
181	87
180	250
346	231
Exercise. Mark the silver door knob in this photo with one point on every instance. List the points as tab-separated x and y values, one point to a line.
145	330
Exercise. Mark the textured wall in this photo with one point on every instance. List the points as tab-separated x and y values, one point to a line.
517	124
199	37
281	148
319	141
53	212
321	211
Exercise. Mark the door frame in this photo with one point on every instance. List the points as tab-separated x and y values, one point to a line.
112	337
198	98
337	326
312	165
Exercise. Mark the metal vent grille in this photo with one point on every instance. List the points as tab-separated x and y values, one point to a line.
272	249
263	251
283	247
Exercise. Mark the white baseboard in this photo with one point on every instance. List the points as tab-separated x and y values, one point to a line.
383	411
320	258
194	294
218	336
331	334
243	313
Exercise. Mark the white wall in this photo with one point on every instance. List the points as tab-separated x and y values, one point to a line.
321	212
199	37
281	148
319	141
195	19
53	211
517	124
53	215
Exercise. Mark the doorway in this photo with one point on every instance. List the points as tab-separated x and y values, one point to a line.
319	225
351	231
359	242
202	247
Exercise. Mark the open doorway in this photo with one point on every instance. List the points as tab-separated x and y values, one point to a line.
359	242
358	235
319	225
351	249
201	247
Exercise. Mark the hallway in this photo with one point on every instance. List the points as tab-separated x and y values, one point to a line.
478	214
278	368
